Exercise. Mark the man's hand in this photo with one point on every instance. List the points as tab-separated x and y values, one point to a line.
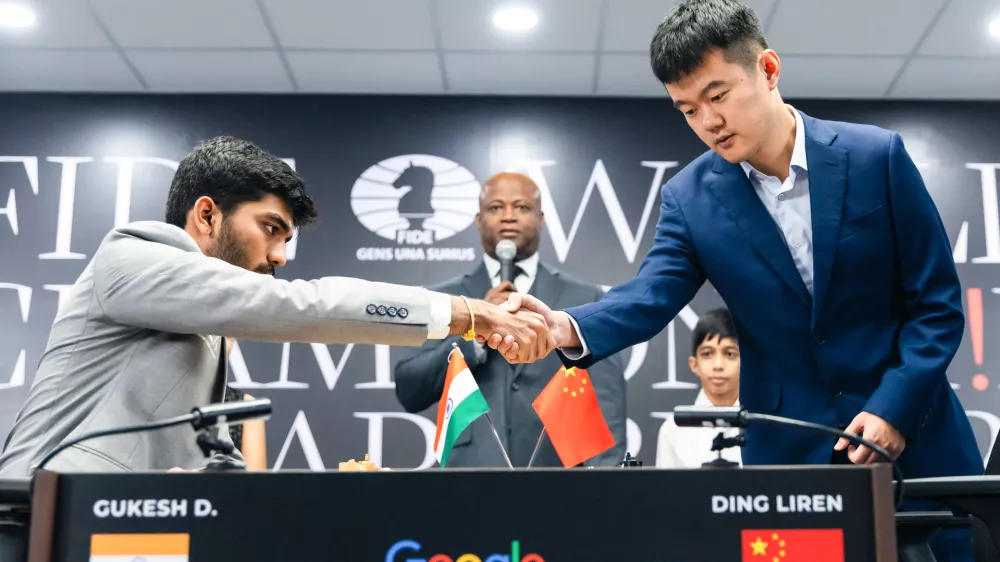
498	295
558	321
878	431
521	338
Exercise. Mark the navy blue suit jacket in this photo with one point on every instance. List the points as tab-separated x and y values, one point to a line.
879	331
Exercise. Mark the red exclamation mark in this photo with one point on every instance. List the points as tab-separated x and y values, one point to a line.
975	306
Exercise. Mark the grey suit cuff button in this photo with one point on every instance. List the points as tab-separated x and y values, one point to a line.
371	309
403	313
392	311
381	311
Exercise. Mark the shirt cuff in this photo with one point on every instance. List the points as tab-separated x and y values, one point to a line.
576	353
440	324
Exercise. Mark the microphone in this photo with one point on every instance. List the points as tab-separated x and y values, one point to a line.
693	416
506	250
201	417
734	416
231	412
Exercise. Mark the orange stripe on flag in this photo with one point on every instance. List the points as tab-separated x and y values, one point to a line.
456	364
133	545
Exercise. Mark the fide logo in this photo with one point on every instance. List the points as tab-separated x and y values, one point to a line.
416	199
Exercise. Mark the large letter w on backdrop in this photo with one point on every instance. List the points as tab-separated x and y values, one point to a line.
629	240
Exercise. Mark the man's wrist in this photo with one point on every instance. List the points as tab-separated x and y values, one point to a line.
462	315
568	338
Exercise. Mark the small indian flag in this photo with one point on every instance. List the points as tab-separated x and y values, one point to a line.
145	548
461	403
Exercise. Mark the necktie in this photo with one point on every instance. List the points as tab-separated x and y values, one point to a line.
517	271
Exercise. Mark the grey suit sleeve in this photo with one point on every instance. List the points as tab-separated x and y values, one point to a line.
420	375
155	286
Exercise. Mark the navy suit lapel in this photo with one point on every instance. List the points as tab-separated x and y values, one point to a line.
733	189
827	186
546	288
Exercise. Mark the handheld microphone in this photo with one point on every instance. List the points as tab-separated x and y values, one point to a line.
506	250
200	418
734	416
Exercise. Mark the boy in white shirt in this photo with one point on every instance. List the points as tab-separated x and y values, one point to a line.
716	361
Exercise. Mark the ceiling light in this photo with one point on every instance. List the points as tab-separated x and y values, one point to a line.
515	19
995	28
14	15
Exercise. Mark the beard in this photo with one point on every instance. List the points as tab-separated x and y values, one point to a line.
229	248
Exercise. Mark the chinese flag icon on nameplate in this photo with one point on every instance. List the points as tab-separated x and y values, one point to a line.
793	545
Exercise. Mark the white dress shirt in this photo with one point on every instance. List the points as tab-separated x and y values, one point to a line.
524	281
788	204
690	447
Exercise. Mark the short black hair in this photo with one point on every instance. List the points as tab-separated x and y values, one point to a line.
695	27
232	172
713	323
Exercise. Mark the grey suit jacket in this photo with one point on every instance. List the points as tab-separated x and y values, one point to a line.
510	389
139	339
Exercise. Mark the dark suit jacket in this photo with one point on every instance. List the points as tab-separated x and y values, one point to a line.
877	334
510	389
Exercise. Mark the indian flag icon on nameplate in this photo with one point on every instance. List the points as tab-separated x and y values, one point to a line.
140	548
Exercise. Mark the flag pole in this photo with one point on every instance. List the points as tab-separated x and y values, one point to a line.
499	442
537	447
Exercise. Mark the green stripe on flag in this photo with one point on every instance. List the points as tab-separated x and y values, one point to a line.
473	406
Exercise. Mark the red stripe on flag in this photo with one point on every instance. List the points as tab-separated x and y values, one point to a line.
793	545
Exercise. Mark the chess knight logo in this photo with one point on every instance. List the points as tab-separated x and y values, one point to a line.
416	199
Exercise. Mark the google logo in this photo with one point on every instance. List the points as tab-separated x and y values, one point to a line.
414	546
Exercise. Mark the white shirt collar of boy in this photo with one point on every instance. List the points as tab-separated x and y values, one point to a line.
529	269
702	400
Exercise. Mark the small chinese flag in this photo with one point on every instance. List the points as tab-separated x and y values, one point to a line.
793	545
569	411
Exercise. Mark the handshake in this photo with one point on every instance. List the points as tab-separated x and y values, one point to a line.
522	328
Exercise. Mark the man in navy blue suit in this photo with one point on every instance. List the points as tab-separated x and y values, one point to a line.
825	245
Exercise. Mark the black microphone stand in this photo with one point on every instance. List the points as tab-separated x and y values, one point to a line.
210	445
201	418
734	416
721	443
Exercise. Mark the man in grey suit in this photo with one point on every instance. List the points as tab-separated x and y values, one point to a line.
140	336
510	209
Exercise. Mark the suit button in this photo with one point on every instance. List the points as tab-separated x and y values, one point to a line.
403	313
381	311
820	340
515	387
371	309
392	310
